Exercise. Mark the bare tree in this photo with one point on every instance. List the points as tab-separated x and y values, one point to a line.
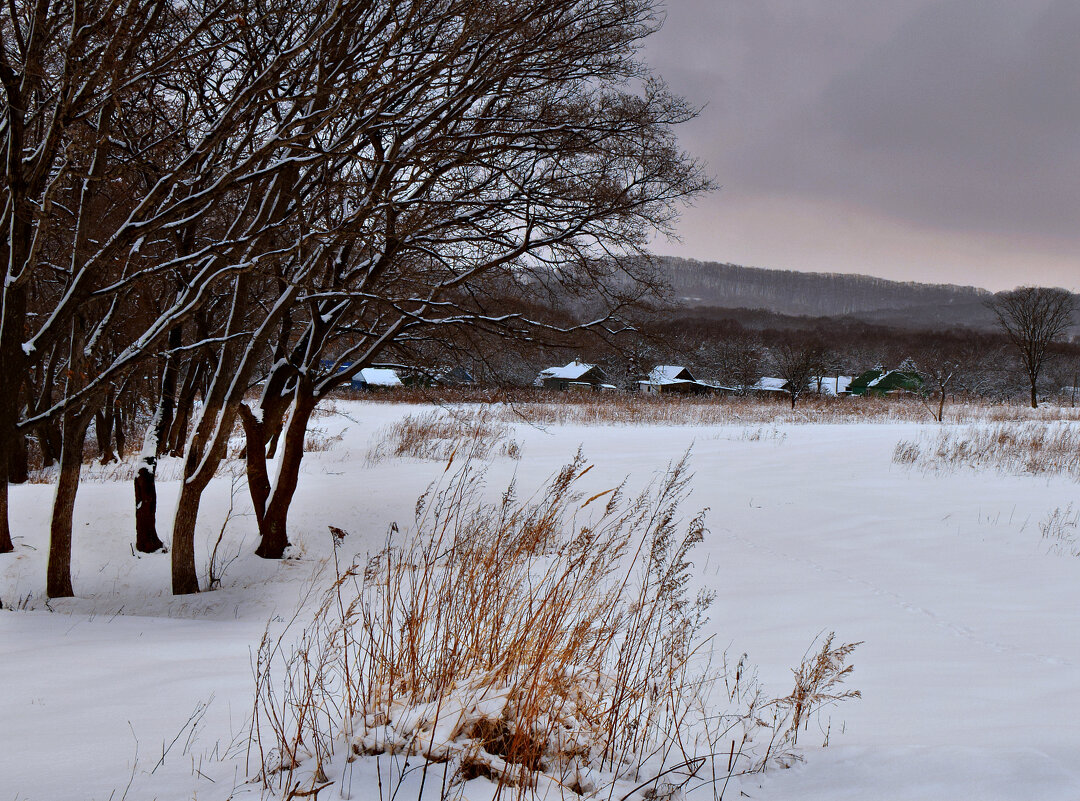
1033	318
797	361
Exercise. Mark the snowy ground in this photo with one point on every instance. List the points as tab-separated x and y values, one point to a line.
970	670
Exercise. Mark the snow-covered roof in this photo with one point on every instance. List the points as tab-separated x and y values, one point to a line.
668	374
768	384
570	372
380	377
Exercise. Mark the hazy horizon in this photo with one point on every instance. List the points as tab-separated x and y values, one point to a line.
915	140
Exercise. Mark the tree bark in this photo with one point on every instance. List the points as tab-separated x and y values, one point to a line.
274	524
6	545
146	536
185	579
19	463
58	578
118	433
178	431
104	422
258	478
1034	397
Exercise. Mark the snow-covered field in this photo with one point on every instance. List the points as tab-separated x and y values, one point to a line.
970	667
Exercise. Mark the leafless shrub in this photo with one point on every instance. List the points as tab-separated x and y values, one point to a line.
548	643
439	435
1029	448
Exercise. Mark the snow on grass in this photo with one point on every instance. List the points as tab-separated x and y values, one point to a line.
969	671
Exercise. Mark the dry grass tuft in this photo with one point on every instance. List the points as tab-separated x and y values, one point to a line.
1026	448
545	644
1060	530
439	435
817	684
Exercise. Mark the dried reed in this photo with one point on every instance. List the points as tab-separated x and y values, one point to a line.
545	644
1027	448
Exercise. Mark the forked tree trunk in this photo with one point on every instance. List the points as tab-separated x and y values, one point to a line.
58	578
274	524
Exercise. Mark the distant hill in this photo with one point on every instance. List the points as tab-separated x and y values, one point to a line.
863	297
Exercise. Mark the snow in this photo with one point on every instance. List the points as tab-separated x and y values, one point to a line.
970	667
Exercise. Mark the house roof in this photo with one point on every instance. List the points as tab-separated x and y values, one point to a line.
569	372
669	374
768	384
379	377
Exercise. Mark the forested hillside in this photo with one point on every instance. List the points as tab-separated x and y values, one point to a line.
712	284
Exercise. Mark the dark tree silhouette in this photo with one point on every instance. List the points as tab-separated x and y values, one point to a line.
1033	318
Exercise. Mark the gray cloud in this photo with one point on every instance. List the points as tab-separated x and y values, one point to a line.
962	117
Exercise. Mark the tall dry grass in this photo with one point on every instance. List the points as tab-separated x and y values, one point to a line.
1022	448
546	407
440	435
549	644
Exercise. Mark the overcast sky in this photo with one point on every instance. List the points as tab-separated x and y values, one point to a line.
911	139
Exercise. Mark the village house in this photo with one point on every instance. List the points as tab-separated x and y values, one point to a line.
576	375
671	378
881	382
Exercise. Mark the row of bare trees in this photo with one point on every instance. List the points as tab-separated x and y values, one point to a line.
208	197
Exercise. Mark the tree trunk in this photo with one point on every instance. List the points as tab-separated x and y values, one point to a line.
49	441
118	433
258	478
185	579
104	421
58	579
793	399
12	362
178	430
19	462
6	545
941	407
273	527
1034	398
146	536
